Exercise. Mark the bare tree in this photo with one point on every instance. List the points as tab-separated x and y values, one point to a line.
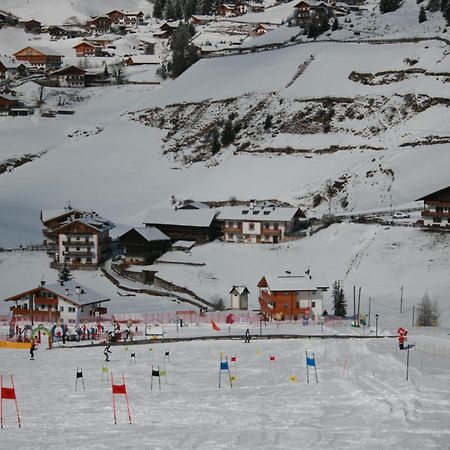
427	312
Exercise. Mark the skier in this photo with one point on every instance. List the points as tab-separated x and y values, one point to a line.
247	336
106	352
32	350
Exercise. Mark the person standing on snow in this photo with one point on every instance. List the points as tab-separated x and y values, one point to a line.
247	336
106	352
32	350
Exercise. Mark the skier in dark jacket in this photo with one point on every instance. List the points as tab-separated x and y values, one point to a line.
106	352
247	336
32	350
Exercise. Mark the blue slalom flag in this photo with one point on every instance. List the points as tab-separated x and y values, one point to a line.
224	365
310	362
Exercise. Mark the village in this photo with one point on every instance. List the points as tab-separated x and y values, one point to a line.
120	47
76	240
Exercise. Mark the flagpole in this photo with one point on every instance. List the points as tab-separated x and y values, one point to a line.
407	364
315	367
1	400
229	373
307	371
126	398
76	380
113	400
15	400
151	381
220	369
159	378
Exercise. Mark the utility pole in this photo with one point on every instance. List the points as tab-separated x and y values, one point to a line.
359	303
370	301
413	315
354	305
401	300
376	325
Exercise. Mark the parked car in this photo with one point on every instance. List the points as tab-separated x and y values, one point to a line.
400	215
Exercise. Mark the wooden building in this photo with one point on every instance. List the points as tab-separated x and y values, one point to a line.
239	297
11	69
99	24
187	225
290	297
68	303
143	245
436	212
305	10
166	30
32	26
40	57
7	102
87	49
6	18
69	76
258	224
200	20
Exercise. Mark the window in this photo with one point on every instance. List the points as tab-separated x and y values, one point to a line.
286	305
437	219
267	226
255	212
275	226
297	305
251	226
313	304
245	211
61	308
71	309
266	213
239	224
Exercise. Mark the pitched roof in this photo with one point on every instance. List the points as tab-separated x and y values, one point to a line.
152	234
187	245
440	195
181	217
49	214
258	213
68	291
239	290
12	63
195	205
293	283
68	69
44	50
92	220
144	59
8	97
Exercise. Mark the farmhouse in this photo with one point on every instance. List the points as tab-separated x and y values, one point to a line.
166	29
87	49
188	225
143	245
10	68
99	24
200	20
7	18
263	28
307	9
231	10
40	57
32	26
436	212
258	224
7	102
69	76
68	303
290	296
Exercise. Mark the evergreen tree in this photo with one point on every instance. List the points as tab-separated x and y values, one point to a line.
339	302
313	29
427	312
178	10
444	5
323	25
169	10
389	5
268	122
228	133
183	52
158	9
215	141
64	274
335	25
447	14
422	15
433	5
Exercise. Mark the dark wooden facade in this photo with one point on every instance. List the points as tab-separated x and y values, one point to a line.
436	212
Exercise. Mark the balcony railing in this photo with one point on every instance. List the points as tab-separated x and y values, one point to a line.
79	254
46	301
36	314
445	215
78	243
270	232
232	230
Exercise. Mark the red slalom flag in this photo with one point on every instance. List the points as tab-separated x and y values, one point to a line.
233	359
272	357
119	389
214	325
8	393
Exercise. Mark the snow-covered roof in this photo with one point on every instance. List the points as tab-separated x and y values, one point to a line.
186	245
239	290
45	50
8	97
257	213
92	220
48	214
293	283
87	296
12	63
70	290
194	205
181	217
151	234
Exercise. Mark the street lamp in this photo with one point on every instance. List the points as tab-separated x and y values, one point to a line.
376	325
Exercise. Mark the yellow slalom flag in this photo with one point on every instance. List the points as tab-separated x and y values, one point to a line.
104	369
233	379
293	378
150	349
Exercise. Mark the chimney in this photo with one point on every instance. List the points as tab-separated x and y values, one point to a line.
252	204
42	282
77	290
67	291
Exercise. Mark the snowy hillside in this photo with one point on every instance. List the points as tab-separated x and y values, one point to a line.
52	12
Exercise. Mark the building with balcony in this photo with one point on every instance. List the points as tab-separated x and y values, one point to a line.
76	238
40	58
69	303
258	223
436	212
290	297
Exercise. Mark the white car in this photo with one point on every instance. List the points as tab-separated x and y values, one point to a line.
400	215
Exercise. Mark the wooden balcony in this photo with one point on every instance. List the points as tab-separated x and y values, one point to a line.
78	254
36	315
443	215
437	203
46	301
270	232
100	310
232	230
78	243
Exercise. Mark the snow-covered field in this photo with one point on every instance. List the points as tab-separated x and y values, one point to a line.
368	405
